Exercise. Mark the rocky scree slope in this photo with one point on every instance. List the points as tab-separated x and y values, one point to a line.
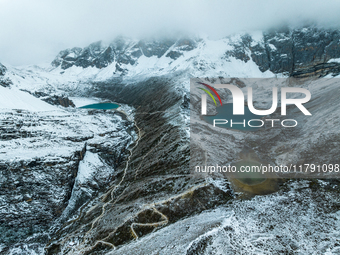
51	164
152	188
296	52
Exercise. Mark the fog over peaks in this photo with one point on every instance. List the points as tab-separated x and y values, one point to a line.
34	31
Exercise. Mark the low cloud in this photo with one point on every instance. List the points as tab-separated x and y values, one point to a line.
34	31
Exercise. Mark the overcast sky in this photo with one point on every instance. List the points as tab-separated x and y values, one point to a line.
34	31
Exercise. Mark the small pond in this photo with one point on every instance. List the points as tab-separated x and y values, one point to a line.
102	106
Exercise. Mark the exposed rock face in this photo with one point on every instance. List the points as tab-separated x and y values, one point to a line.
45	178
297	52
2	69
157	170
121	51
140	184
272	223
59	100
5	82
53	100
156	191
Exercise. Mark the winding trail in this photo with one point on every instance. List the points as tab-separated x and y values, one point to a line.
114	188
82	247
111	190
155	224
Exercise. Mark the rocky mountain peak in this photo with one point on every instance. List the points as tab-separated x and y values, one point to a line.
4	81
93	181
2	69
122	51
298	52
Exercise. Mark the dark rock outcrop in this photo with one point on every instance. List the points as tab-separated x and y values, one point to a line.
40	192
158	170
123	51
151	186
53	100
59	100
5	82
2	70
297	52
241	49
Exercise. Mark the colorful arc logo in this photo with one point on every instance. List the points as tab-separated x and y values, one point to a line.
208	92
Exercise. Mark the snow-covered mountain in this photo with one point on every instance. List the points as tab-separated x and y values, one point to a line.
296	52
94	181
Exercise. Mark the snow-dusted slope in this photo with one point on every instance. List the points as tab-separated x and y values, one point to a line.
104	187
207	58
13	98
255	55
45	158
292	222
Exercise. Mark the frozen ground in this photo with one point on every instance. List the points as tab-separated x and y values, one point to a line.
45	145
300	221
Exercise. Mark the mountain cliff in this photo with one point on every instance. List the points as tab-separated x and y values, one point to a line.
296	52
98	182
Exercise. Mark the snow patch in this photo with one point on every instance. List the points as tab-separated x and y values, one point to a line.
88	166
16	99
334	60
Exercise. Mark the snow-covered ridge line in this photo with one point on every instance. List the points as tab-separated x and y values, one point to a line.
255	55
15	99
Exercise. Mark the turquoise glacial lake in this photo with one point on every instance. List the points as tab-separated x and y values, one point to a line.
102	106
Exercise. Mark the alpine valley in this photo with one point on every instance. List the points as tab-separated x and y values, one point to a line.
93	181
